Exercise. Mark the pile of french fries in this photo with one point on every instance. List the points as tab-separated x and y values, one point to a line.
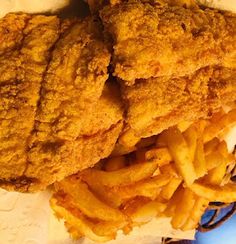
185	169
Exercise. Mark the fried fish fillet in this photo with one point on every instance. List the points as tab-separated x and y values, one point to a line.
25	42
51	159
51	78
175	61
154	40
158	103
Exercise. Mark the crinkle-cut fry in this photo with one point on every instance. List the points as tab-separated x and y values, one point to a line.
183	209
160	155
87	202
148	211
211	145
83	225
214	129
115	163
169	169
145	188
199	159
169	189
191	136
180	153
214	159
196	213
226	193
129	139
125	176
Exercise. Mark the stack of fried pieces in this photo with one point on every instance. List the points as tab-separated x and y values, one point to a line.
61	111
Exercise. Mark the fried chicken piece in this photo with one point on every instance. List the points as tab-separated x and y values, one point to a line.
25	42
61	69
151	40
158	103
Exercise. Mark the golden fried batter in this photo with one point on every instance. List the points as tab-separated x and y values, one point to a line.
158	103
51	78
25	42
151	40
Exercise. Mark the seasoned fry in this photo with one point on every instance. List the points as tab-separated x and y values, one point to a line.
129	139
191	136
159	155
86	202
199	159
123	176
226	193
169	189
115	163
174	201
196	214
183	209
148	211
214	159
211	145
84	226
145	188
216	175
104	193
169	169
180	152
214	129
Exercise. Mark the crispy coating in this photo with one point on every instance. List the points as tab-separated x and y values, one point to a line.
53	158
151	40
52	76
158	103
24	53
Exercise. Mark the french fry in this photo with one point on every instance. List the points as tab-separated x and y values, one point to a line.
125	176
146	142
88	203
183	209
214	159
104	193
160	155
191	136
145	188
216	175
196	214
211	145
108	228
115	163
214	129
83	225
120	150
148	211
180	153
226	193
169	169
173	202
129	139
184	125
169	189
199	159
